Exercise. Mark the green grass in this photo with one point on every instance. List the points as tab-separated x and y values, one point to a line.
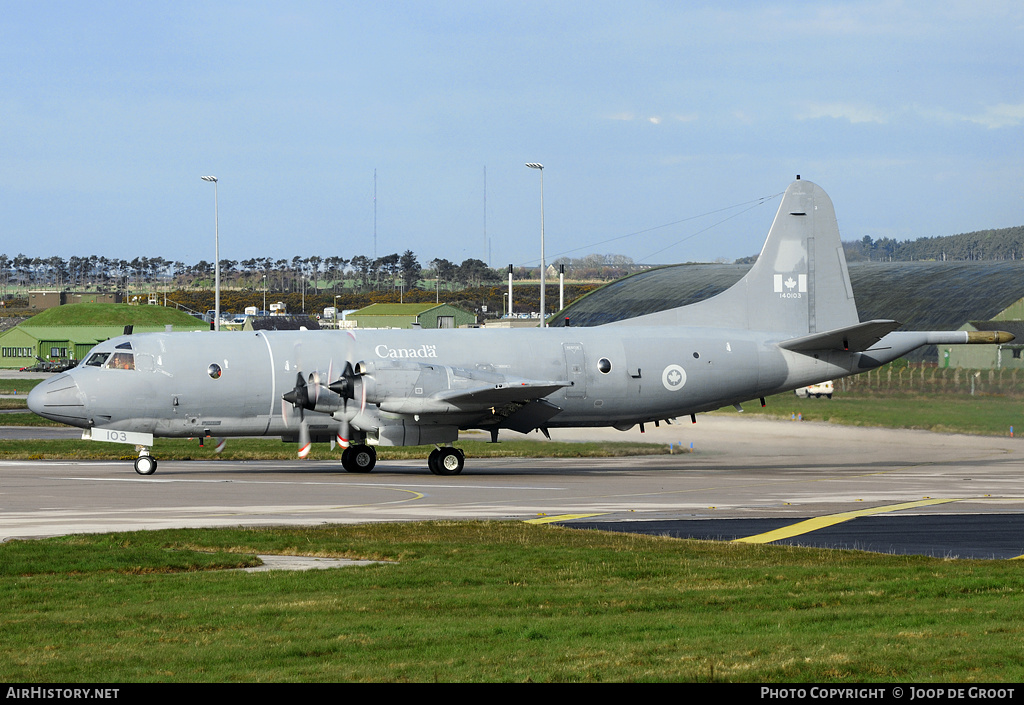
111	315
18	386
979	415
499	601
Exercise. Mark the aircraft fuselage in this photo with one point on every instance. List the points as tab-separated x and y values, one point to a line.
231	384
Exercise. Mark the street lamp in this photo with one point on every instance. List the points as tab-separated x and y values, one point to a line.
216	255
264	295
543	264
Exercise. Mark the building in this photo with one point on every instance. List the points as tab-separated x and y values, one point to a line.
40	300
990	357
408	315
299	321
25	346
920	295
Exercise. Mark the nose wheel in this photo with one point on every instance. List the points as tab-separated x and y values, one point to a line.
145	464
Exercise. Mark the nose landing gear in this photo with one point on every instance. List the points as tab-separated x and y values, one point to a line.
145	464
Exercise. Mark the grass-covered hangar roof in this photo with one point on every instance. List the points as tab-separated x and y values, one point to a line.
920	295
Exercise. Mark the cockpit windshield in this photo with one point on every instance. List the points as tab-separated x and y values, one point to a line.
121	359
97	359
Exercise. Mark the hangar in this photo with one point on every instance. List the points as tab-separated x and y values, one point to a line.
920	295
406	315
992	357
24	346
67	333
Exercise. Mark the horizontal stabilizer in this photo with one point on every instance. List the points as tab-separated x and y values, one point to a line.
856	338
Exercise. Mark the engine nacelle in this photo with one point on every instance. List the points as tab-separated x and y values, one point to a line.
405	387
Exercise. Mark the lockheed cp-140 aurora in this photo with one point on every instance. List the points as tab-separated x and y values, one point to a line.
791	321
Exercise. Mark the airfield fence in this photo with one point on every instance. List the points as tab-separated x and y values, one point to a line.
933	380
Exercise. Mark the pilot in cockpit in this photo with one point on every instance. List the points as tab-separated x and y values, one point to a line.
121	359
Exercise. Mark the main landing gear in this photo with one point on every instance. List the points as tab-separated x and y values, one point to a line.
446	460
359	458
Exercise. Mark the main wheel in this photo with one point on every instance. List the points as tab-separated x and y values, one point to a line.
359	458
145	465
449	461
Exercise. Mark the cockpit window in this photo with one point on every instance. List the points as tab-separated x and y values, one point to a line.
121	361
124	346
97	359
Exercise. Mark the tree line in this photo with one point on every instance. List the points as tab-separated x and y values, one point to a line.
1000	244
316	274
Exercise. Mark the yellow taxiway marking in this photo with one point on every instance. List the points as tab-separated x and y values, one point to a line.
561	517
810	525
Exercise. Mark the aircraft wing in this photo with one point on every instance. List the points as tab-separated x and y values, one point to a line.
415	388
856	338
489	395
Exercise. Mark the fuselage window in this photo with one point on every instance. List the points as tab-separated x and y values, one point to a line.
121	361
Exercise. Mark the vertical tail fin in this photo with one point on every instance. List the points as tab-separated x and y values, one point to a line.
799	284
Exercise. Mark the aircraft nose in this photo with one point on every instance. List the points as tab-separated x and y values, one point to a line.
59	399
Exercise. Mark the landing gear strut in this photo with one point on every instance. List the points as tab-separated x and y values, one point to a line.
359	458
446	461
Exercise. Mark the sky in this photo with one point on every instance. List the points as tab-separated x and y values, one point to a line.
667	130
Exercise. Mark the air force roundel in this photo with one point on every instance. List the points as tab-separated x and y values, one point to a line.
674	377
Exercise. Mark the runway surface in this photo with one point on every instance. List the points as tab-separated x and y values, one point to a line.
746	479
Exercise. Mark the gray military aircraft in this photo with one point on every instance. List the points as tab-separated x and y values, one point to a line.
790	322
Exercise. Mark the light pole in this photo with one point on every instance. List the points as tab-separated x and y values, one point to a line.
263	312
543	264
216	255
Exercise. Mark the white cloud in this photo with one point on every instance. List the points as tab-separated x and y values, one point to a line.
993	117
998	116
844	111
652	119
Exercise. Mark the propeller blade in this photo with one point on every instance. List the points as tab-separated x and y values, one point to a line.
314	382
305	444
344	433
344	385
298	397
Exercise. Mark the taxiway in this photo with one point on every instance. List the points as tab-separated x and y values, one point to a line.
745	479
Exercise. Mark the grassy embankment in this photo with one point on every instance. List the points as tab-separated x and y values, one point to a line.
979	415
979	402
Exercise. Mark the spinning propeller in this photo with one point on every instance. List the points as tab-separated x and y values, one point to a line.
307	393
344	387
299	398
